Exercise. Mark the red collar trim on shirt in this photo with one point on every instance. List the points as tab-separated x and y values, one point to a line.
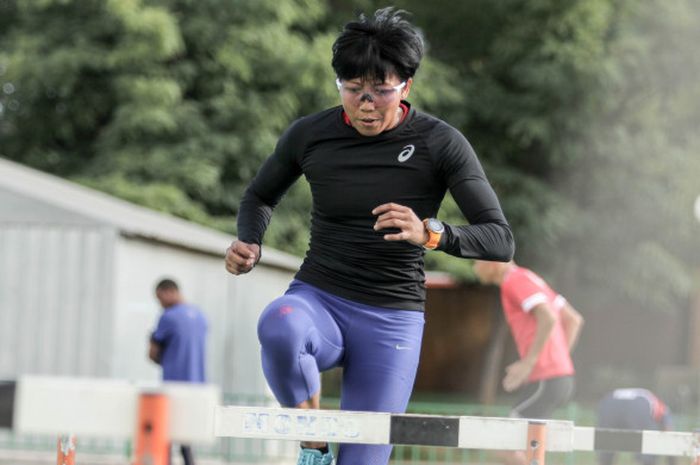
403	106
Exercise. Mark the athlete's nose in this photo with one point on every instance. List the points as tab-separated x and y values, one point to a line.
366	96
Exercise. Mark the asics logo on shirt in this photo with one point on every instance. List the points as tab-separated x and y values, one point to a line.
406	153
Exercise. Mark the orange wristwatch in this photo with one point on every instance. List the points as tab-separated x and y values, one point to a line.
435	229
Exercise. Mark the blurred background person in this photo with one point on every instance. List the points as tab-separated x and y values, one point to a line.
635	409
545	328
178	343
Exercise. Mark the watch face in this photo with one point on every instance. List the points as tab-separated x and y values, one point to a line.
435	225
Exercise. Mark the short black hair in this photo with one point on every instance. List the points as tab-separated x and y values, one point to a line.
372	48
166	284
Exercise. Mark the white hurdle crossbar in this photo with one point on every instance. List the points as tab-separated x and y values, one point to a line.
384	428
106	408
464	432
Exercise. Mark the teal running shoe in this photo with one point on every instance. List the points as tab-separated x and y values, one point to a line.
315	457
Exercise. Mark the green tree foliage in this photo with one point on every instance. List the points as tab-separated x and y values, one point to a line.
527	69
173	104
583	113
637	171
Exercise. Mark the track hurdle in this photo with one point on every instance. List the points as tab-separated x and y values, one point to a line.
109	409
535	437
385	428
153	414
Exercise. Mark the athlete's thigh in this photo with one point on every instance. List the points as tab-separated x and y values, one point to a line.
382	351
527	395
541	398
379	369
300	321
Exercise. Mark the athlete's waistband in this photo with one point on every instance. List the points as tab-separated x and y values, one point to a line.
368	302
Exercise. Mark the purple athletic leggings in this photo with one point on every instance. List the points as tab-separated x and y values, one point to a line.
308	330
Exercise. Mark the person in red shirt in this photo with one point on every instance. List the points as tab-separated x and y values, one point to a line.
545	328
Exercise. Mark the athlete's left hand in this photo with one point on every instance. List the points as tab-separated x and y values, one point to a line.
393	215
516	374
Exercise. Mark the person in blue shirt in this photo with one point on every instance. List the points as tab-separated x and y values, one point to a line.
179	341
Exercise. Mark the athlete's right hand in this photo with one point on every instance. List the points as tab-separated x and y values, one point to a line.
241	257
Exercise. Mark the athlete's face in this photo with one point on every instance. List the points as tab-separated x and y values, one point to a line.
373	107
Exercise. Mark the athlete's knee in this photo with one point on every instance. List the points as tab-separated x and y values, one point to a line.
283	325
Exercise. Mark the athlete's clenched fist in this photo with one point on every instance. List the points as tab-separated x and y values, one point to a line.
241	257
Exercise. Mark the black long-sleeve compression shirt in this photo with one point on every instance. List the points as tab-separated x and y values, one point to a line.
412	164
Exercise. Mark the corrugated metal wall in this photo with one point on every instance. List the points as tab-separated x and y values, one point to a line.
55	299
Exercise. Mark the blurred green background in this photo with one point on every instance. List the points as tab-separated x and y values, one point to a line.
584	113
